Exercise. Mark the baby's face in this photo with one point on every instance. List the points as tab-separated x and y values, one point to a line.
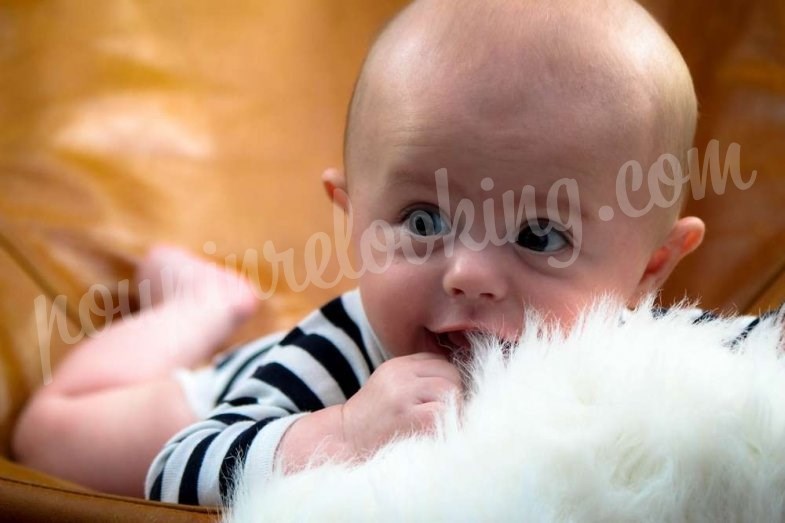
534	180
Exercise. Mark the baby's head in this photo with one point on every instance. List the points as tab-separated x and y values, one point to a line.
527	110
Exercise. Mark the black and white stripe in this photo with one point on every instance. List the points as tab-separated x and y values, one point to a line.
259	390
741	326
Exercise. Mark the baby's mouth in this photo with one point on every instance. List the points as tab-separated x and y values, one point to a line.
453	341
457	347
454	345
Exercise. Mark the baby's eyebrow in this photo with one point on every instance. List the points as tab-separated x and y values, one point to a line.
410	180
564	204
534	197
420	181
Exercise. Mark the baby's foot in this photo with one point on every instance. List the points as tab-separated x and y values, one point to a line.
170	273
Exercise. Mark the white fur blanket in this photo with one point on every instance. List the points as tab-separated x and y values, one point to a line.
650	419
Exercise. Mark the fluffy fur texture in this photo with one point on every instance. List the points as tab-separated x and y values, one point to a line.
649	419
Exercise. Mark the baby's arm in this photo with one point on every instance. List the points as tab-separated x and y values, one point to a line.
290	404
404	395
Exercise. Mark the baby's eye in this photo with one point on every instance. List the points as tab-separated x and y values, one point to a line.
542	237
426	222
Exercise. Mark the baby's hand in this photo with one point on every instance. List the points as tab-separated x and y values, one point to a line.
403	395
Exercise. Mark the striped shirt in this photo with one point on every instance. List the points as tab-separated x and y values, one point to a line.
259	390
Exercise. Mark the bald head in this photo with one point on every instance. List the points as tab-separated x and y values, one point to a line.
484	143
604	60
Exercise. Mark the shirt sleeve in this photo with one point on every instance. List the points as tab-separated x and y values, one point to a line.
740	326
322	362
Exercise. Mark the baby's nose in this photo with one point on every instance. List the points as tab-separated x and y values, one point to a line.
476	275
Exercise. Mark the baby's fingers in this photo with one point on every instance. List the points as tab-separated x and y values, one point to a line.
436	389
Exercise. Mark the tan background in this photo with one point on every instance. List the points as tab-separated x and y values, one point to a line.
126	122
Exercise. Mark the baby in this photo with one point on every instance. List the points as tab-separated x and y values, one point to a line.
482	150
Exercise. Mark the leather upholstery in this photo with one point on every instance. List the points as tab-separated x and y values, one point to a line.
736	52
127	122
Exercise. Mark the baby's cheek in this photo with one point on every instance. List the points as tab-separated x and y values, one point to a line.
559	305
394	308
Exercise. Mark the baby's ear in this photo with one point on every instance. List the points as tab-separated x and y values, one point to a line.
685	236
334	182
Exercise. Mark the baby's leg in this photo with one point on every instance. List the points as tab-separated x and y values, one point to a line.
194	306
113	402
104	439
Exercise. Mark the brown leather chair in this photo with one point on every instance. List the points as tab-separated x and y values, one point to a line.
736	52
125	123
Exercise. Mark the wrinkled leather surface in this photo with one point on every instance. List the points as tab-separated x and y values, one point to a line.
736	52
126	122
27	496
